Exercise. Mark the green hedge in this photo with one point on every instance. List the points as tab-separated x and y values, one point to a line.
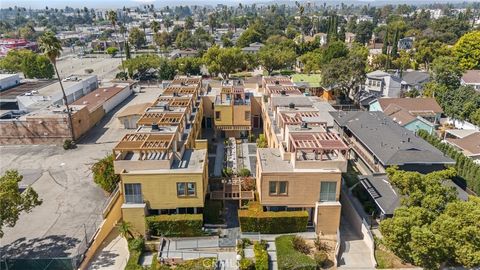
135	248
261	256
289	258
256	220
187	225
464	165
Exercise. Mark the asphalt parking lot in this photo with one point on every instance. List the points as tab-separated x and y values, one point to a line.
72	203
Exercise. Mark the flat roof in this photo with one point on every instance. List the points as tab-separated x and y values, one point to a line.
99	96
23	88
271	161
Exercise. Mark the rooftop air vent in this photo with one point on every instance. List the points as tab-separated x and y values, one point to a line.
291	105
155	126
283	93
304	125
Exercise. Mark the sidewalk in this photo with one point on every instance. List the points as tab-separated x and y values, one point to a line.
113	255
355	254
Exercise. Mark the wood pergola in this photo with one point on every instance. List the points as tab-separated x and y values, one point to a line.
279	89
180	90
161	118
319	143
186	81
145	142
296	118
174	101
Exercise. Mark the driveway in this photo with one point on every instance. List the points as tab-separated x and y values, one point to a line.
72	203
354	253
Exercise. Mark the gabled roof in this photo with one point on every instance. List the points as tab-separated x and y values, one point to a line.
415	77
469	144
412	105
389	142
471	76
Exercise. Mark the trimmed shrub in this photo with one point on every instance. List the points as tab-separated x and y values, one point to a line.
244	172
254	219
104	174
136	244
300	245
184	225
261	256
69	144
320	258
289	258
246	264
135	247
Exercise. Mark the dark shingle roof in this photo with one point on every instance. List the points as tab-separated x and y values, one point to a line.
381	191
391	143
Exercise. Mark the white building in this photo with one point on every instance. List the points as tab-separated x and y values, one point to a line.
8	80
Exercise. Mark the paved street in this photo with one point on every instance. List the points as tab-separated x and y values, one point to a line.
72	203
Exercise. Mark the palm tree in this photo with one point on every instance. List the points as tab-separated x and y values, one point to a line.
52	48
113	18
144	26
125	229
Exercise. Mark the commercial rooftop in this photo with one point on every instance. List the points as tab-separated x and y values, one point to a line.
23	88
97	97
390	143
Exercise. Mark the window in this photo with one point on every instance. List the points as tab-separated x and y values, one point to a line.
247	116
186	189
328	191
217	116
278	188
133	193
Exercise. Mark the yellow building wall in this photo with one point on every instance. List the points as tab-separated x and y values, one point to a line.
303	188
136	217
328	219
226	115
239	115
160	190
208	106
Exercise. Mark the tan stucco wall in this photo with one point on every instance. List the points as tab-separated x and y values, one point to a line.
328	218
303	187
160	190
136	217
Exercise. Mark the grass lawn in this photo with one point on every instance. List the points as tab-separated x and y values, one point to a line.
388	260
313	79
289	258
212	212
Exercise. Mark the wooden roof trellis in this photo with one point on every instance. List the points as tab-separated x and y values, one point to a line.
161	118
232	90
185	90
278	89
145	141
317	141
186	81
299	117
175	101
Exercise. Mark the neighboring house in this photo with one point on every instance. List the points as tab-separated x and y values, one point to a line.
471	77
469	145
405	43
379	84
253	47
8	81
414	80
177	53
394	145
411	113
310	84
350	37
376	143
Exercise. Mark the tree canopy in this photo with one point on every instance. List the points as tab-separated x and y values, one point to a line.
137	38
467	50
223	61
13	201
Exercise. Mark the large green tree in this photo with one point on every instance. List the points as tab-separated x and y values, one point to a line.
137	38
467	50
32	65
104	174
273	57
223	61
432	226
12	201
